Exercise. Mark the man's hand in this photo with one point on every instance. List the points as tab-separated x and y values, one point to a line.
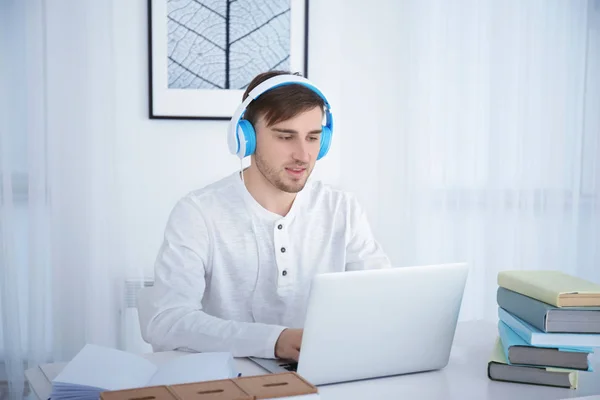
288	344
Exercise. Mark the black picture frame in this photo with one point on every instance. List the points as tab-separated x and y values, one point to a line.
216	103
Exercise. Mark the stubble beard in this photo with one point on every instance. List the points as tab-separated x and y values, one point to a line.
275	177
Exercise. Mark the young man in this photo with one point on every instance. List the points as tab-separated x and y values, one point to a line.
234	271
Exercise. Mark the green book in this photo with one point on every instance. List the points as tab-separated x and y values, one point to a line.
552	287
500	370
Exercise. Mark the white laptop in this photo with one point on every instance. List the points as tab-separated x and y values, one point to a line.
375	323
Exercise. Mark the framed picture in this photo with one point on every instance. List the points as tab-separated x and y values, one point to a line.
204	53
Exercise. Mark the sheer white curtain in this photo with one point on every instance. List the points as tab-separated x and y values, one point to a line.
61	269
471	130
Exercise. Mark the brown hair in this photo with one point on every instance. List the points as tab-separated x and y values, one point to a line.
281	103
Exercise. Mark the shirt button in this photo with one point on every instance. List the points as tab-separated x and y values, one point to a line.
284	273
280	227
283	249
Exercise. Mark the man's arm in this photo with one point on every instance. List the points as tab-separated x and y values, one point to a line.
362	250
171	314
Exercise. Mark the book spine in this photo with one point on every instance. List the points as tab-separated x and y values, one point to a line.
510	282
526	308
515	325
489	370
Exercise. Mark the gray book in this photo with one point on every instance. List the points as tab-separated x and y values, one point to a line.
541	357
548	318
500	370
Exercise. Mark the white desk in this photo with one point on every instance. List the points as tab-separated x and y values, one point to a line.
464	377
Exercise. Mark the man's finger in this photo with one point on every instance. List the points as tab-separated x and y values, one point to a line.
295	354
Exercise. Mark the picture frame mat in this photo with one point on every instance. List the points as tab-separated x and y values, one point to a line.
207	103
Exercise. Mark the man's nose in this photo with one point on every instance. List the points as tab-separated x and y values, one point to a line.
301	152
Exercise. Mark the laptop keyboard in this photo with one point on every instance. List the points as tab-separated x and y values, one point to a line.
290	366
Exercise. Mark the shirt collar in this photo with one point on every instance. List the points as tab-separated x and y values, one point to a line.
263	212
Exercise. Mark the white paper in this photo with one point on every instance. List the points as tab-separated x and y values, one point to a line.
195	367
106	368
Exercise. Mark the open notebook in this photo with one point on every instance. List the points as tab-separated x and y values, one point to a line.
96	369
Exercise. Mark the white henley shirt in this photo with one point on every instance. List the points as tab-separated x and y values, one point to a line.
231	275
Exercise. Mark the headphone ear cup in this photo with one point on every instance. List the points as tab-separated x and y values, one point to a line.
325	142
249	136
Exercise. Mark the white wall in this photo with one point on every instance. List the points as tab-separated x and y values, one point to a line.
158	161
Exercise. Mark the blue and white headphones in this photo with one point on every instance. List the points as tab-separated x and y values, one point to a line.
241	137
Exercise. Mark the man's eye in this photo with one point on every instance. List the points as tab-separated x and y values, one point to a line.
313	138
285	137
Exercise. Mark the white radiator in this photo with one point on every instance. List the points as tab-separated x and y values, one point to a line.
131	335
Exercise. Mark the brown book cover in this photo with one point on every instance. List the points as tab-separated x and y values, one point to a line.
275	385
270	386
225	389
147	393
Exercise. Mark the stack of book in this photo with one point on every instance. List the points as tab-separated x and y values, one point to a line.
549	324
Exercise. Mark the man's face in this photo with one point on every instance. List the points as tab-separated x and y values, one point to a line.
286	152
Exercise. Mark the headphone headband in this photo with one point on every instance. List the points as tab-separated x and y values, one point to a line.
235	143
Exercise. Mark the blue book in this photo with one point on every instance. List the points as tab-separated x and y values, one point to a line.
535	337
518	352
